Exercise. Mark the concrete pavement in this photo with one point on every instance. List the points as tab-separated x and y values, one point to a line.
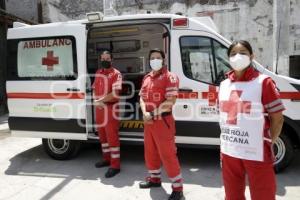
26	172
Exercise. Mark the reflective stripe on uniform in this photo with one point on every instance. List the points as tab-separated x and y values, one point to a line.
115	155
155	175
171	89
105	150
105	145
172	93
176	185
276	108
154	171
114	148
267	139
178	177
273	103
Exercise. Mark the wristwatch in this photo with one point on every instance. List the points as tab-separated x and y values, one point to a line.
152	114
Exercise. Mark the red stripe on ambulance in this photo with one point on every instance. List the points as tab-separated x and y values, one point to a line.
188	95
45	95
212	95
290	95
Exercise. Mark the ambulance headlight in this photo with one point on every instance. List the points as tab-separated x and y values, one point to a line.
95	16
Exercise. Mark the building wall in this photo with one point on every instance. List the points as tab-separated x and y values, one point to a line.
26	9
251	20
295	28
242	20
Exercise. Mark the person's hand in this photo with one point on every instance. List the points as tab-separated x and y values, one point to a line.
147	117
99	103
274	140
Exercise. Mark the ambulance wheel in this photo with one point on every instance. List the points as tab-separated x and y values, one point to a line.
283	151
60	149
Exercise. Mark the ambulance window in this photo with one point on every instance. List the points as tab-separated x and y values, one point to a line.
45	58
197	58
204	59
222	61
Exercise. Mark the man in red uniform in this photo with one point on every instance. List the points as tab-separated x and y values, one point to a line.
158	94
107	85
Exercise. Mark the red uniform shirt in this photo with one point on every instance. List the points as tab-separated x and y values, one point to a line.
107	80
156	88
270	95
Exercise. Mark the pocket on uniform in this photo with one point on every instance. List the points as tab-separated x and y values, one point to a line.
157	94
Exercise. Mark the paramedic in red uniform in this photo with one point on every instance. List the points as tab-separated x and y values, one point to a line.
107	85
157	96
251	120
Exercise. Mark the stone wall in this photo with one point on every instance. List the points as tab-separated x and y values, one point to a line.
26	9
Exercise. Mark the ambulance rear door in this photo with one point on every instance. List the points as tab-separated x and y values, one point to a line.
46	81
199	59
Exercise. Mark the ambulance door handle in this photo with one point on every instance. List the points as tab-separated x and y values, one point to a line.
73	89
185	90
185	106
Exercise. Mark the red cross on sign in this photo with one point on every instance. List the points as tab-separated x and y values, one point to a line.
234	106
50	60
211	95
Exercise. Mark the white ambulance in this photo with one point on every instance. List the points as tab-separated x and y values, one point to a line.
51	68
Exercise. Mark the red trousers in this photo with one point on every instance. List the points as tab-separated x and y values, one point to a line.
160	149
261	176
108	131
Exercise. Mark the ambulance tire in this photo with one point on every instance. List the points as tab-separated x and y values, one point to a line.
283	151
60	149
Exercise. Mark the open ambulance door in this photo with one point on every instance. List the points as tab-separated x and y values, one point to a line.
46	86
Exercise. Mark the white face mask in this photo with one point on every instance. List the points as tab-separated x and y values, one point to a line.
156	64
239	62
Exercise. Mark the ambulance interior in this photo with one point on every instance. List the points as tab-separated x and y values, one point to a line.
130	46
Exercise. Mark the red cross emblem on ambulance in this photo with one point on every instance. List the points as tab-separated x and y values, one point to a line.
211	95
234	106
50	60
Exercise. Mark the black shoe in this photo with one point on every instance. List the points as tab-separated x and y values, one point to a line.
101	164
176	195
149	184
111	172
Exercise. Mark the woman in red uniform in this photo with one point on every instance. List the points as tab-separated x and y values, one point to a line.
158	94
250	120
